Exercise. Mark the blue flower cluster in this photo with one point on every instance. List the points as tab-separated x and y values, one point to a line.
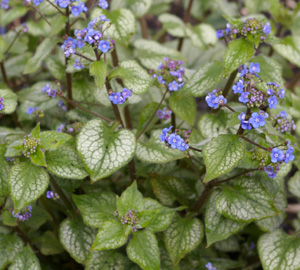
51	92
1	104
214	99
209	266
4	4
256	120
23	216
60	128
273	92
174	140
52	195
62	105
164	114
103	4
170	73
31	110
282	123
120	97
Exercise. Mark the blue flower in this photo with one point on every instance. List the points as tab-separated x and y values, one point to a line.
238	87
60	128
244	97
126	93
164	136
221	100
173	86
104	46
283	114
220	34
80	43
212	101
272	102
103	4
264	114
174	140
243	70
281	93
182	146
276	155
228	28
37	2
4	4
244	124
116	98
89	37
31	110
76	10
78	65
210	267
289	155
160	114
270	92
161	80
254	68
64	3
267	28
69	46
257	120
270	171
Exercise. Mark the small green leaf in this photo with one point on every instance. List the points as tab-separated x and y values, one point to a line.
50	244
122	23
25	260
131	198
36	131
239	52
247	200
76	238
38	158
96	208
2	47
53	139
105	260
66	163
104	151
162	219
221	155
57	24
183	236
143	250
27	182
183	104
277	250
172	24
111	235
56	67
151	53
133	76
155	151
205	79
41	53
202	35
9	101
38	217
10	246
98	70
218	227
12	14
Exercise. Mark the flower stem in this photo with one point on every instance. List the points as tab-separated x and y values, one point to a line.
185	20
228	107
41	14
81	55
3	72
173	121
254	143
12	43
82	108
56	7
144	27
235	176
229	83
195	149
150	120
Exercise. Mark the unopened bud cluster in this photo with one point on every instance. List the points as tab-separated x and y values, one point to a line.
52	195
22	216
75	128
282	123
30	145
164	114
130	218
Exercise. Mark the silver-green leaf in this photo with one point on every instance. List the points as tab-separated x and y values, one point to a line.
25	260
9	101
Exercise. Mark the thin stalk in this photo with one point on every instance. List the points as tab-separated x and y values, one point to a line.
228	107
63	197
195	149
150	120
237	175
144	27
229	83
41	14
254	143
75	21
84	109
185	20
56	7
173	121
3	72
12	43
81	55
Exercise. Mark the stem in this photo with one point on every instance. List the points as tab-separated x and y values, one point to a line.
115	57
114	106
3	72
56	7
228	107
12	43
63	197
84	109
229	82
75	21
144	27
81	55
237	175
254	143
41	14
294	81
185	20
173	121
195	149
148	123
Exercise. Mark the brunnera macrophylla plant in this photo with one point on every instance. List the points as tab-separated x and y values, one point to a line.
132	138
